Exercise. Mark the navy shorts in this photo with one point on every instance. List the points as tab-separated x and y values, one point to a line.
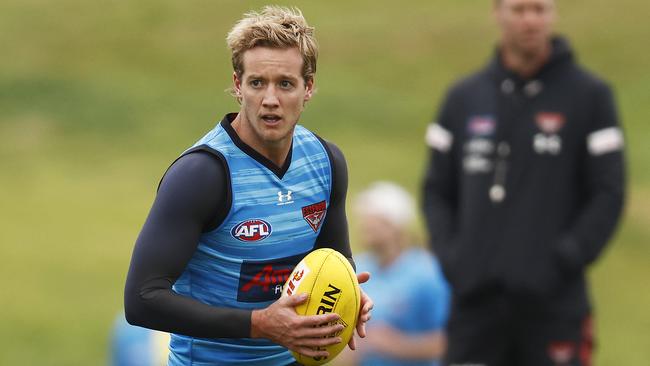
497	333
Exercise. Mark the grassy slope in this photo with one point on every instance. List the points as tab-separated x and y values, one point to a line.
97	99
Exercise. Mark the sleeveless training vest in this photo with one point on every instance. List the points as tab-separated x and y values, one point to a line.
273	222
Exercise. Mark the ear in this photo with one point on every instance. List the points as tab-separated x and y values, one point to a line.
236	83
309	89
553	13
496	16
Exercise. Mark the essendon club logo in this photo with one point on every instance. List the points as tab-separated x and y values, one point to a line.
549	122
251	230
561	352
314	214
261	281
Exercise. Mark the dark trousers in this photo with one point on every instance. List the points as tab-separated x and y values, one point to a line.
498	331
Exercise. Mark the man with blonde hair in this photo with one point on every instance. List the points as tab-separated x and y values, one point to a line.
239	209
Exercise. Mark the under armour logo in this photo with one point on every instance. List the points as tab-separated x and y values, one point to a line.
284	199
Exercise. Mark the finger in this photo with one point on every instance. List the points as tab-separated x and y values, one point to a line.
311	352
317	332
361	329
365	317
352	343
318	342
368	304
317	320
366	312
294	300
363	277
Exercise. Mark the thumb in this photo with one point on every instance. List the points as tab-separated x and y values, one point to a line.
296	299
363	277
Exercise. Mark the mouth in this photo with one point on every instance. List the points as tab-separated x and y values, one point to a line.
271	119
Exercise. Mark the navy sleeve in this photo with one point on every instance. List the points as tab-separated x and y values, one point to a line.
334	233
440	196
192	193
603	186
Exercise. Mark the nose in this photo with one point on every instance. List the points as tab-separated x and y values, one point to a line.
270	98
532	15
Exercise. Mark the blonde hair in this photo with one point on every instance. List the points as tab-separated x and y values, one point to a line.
276	27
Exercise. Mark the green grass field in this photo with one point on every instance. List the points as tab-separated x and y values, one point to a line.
97	98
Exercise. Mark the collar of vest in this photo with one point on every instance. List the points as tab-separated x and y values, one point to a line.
279	171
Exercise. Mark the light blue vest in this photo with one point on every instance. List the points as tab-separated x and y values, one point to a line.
272	223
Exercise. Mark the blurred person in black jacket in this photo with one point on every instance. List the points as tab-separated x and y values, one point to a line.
524	188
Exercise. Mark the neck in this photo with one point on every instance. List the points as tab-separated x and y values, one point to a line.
523	63
275	151
388	255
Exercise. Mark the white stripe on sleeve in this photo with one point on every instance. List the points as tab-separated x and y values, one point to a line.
439	138
605	141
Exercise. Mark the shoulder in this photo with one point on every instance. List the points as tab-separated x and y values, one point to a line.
200	161
197	167
587	79
423	263
419	257
303	135
334	153
469	84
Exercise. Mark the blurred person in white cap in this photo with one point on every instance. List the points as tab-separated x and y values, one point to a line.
410	293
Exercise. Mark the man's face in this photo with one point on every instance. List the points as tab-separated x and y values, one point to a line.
377	233
526	25
273	93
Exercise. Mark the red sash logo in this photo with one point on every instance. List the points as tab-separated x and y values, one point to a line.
549	122
314	214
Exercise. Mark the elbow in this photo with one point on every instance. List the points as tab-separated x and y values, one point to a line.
133	307
131	312
142	303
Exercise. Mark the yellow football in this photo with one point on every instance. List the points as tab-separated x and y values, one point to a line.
329	279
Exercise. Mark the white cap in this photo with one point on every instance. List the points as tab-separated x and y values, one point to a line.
387	200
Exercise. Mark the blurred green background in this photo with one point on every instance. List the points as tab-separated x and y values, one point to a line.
98	97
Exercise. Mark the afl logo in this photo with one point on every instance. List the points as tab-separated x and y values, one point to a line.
251	230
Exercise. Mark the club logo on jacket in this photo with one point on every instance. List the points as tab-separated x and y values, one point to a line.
561	353
549	122
481	125
314	214
251	230
548	141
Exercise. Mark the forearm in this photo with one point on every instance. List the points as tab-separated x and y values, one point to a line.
439	217
595	223
162	309
585	240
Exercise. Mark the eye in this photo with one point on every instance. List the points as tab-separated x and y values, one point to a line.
256	83
540	9
518	9
286	84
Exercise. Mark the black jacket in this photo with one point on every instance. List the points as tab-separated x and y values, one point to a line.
526	181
